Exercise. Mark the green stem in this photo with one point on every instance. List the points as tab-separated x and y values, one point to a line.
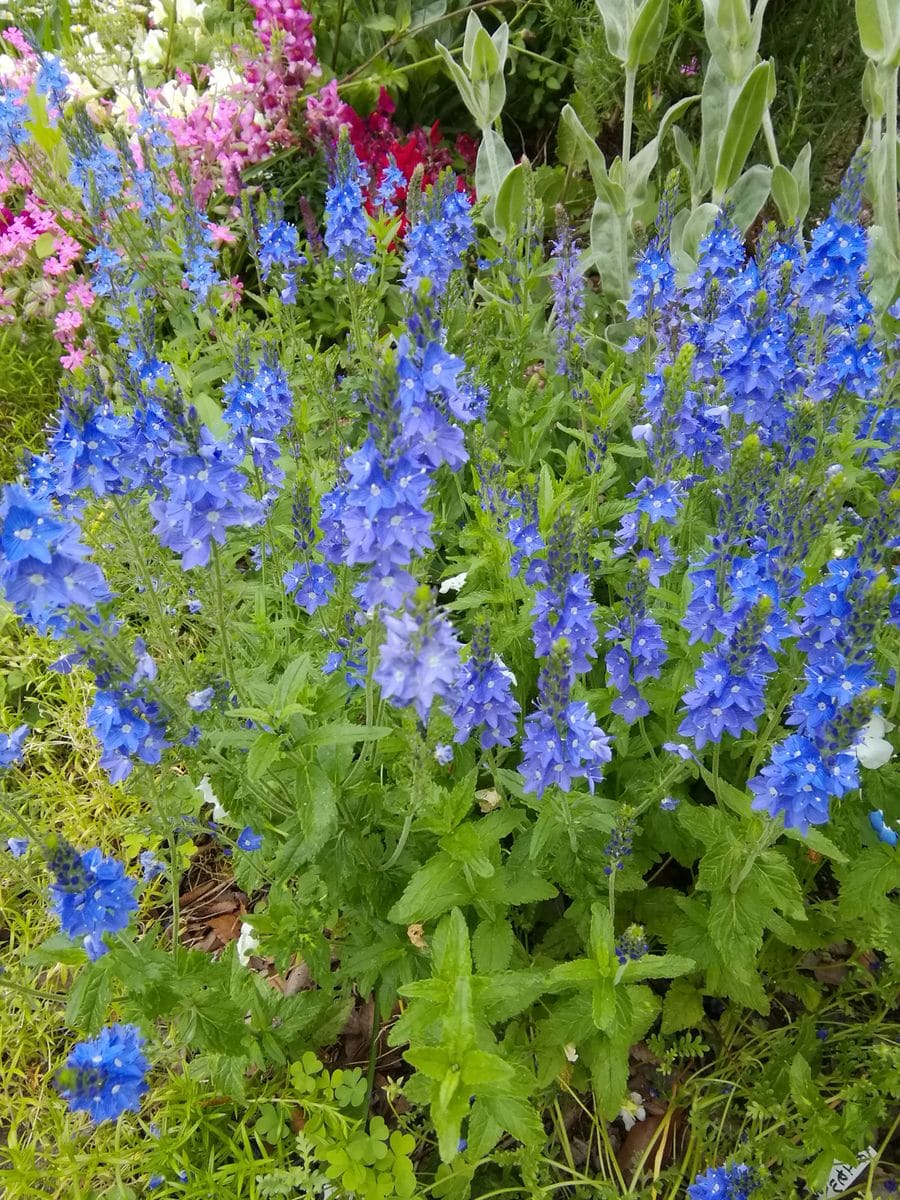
162	632
373	1046
891	214
223	625
338	29
770	832
771	144
628	118
30	991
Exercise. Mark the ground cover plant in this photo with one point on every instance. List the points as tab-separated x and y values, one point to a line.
452	636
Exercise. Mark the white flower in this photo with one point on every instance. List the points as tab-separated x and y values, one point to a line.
204	787
632	1110
454	583
185	10
152	49
874	750
570	1052
246	943
179	98
223	80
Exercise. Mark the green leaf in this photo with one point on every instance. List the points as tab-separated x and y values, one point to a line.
736	924
616	26
215	1023
871	31
493	164
743	125
485	61
479	1067
603	939
291	681
434	888
516	1116
466	91
871	876
492	945
647	32
774	877
509	209
785	193
343	733
504	995
589	149
657	966
450	947
263	753
747	196
682	1007
89	998
45	244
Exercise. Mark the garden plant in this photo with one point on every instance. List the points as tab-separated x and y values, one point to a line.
449	609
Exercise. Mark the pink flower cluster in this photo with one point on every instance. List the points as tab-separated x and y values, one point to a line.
38	258
225	134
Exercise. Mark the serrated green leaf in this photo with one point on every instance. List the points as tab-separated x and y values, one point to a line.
682	1007
89	998
262	755
871	876
434	888
343	733
492	945
516	1116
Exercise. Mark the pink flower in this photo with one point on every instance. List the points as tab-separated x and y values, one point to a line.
16	38
67	322
222	235
80	293
73	359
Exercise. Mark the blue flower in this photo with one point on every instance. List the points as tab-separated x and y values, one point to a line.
437	241
798	782
200	701
258	407
419	659
883	831
11	746
562	741
13	113
17	846
567	285
347	236
128	728
311	585
51	78
151	867
279	250
203	496
724	1183
483	698
443	754
92	895
106	1076
43	570
248	840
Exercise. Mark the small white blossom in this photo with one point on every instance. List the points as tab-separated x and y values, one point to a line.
632	1110
204	787
570	1052
454	584
246	943
875	750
